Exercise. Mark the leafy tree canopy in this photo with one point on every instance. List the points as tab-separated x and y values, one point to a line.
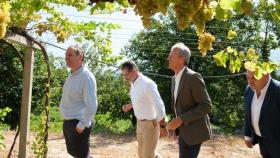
17	14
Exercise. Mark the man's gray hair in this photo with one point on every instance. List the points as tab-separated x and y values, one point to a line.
183	51
78	51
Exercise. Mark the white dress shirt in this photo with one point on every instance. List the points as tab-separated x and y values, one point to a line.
256	106
146	101
177	82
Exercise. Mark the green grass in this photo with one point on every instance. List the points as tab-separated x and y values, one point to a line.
103	123
56	121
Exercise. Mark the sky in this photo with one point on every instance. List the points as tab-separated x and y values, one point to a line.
129	22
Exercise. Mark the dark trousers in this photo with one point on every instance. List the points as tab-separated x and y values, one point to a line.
188	151
263	149
77	143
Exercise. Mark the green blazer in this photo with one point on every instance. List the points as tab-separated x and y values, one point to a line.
192	105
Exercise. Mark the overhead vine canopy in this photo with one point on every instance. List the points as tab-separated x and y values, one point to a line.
15	15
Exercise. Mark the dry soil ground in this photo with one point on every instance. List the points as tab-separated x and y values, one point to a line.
111	146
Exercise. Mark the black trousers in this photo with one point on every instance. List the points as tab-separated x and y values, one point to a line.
77	143
263	149
188	151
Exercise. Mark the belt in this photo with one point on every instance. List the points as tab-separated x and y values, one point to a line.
70	120
145	120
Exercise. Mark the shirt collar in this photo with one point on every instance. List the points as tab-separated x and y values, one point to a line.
266	86
178	76
264	89
137	79
78	71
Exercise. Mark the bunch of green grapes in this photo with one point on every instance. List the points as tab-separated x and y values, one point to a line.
4	17
41	28
205	43
200	18
246	6
60	36
146	9
185	10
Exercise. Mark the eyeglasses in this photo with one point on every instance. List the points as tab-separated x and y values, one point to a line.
126	74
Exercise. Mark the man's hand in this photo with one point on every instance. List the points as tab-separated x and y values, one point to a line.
249	143
175	123
79	130
163	132
126	107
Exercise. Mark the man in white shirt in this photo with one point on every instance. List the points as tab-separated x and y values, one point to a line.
78	104
148	108
262	115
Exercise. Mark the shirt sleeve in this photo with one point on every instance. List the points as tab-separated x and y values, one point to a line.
248	138
90	101
154	96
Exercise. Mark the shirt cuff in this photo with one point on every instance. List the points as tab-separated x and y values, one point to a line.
81	126
248	138
161	117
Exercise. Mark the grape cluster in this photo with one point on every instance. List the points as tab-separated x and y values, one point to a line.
200	18
205	43
4	17
246	6
41	28
185	10
147	8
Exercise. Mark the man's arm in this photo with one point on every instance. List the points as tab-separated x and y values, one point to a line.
154	96
201	98
90	100
247	129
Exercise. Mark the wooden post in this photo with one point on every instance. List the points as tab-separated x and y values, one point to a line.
26	101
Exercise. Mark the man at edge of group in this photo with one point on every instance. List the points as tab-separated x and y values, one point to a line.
190	104
78	104
148	108
262	114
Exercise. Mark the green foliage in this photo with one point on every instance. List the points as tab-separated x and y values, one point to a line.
11	84
227	110
150	48
3	114
104	123
56	121
39	146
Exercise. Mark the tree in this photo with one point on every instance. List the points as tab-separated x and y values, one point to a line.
150	48
197	12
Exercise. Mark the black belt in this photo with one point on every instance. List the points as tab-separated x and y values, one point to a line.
70	120
145	120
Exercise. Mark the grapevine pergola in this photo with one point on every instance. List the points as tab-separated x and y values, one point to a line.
16	14
26	90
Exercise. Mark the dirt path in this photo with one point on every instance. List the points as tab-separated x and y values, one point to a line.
110	146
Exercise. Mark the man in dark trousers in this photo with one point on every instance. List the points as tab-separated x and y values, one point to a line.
78	104
262	115
190	103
